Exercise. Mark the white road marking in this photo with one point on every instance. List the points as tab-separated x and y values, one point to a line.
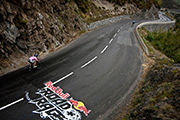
44	87
110	41
63	78
115	35
89	62
104	50
119	30
11	104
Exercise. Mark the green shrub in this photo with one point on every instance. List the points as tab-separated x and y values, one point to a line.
126	117
157	3
137	101
139	3
177	24
167	42
67	1
120	2
150	37
83	5
60	19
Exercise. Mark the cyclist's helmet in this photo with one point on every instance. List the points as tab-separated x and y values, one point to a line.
36	55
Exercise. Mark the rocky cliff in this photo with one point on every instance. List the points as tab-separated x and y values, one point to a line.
41	26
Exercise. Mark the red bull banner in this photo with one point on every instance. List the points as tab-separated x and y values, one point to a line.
54	104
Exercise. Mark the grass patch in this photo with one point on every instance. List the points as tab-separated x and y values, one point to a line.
145	42
165	91
137	101
175	71
153	100
83	5
148	89
76	11
60	19
168	42
60	27
165	61
126	117
142	31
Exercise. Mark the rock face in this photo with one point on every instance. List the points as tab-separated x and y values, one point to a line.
144	14
35	26
40	26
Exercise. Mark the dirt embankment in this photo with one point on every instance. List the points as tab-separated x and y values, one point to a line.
159	96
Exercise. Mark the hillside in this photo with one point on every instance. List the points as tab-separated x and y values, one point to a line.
43	26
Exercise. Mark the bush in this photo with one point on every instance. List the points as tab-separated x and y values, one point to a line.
83	5
150	37
157	3
139	3
67	1
120	2
167	42
177	24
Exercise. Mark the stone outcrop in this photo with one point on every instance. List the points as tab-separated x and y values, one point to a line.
145	14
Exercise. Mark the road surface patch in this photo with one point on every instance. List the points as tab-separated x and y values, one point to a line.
115	35
110	41
54	104
104	49
89	62
63	78
17	101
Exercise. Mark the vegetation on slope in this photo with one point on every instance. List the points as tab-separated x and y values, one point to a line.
139	3
159	98
168	42
84	4
171	4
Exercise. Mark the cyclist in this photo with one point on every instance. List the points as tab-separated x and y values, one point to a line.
133	22
33	60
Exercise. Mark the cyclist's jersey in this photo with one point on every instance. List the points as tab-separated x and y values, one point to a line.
32	59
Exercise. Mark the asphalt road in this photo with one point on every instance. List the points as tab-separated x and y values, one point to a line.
101	68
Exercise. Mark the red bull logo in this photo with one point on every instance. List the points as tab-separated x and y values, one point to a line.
57	90
78	105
